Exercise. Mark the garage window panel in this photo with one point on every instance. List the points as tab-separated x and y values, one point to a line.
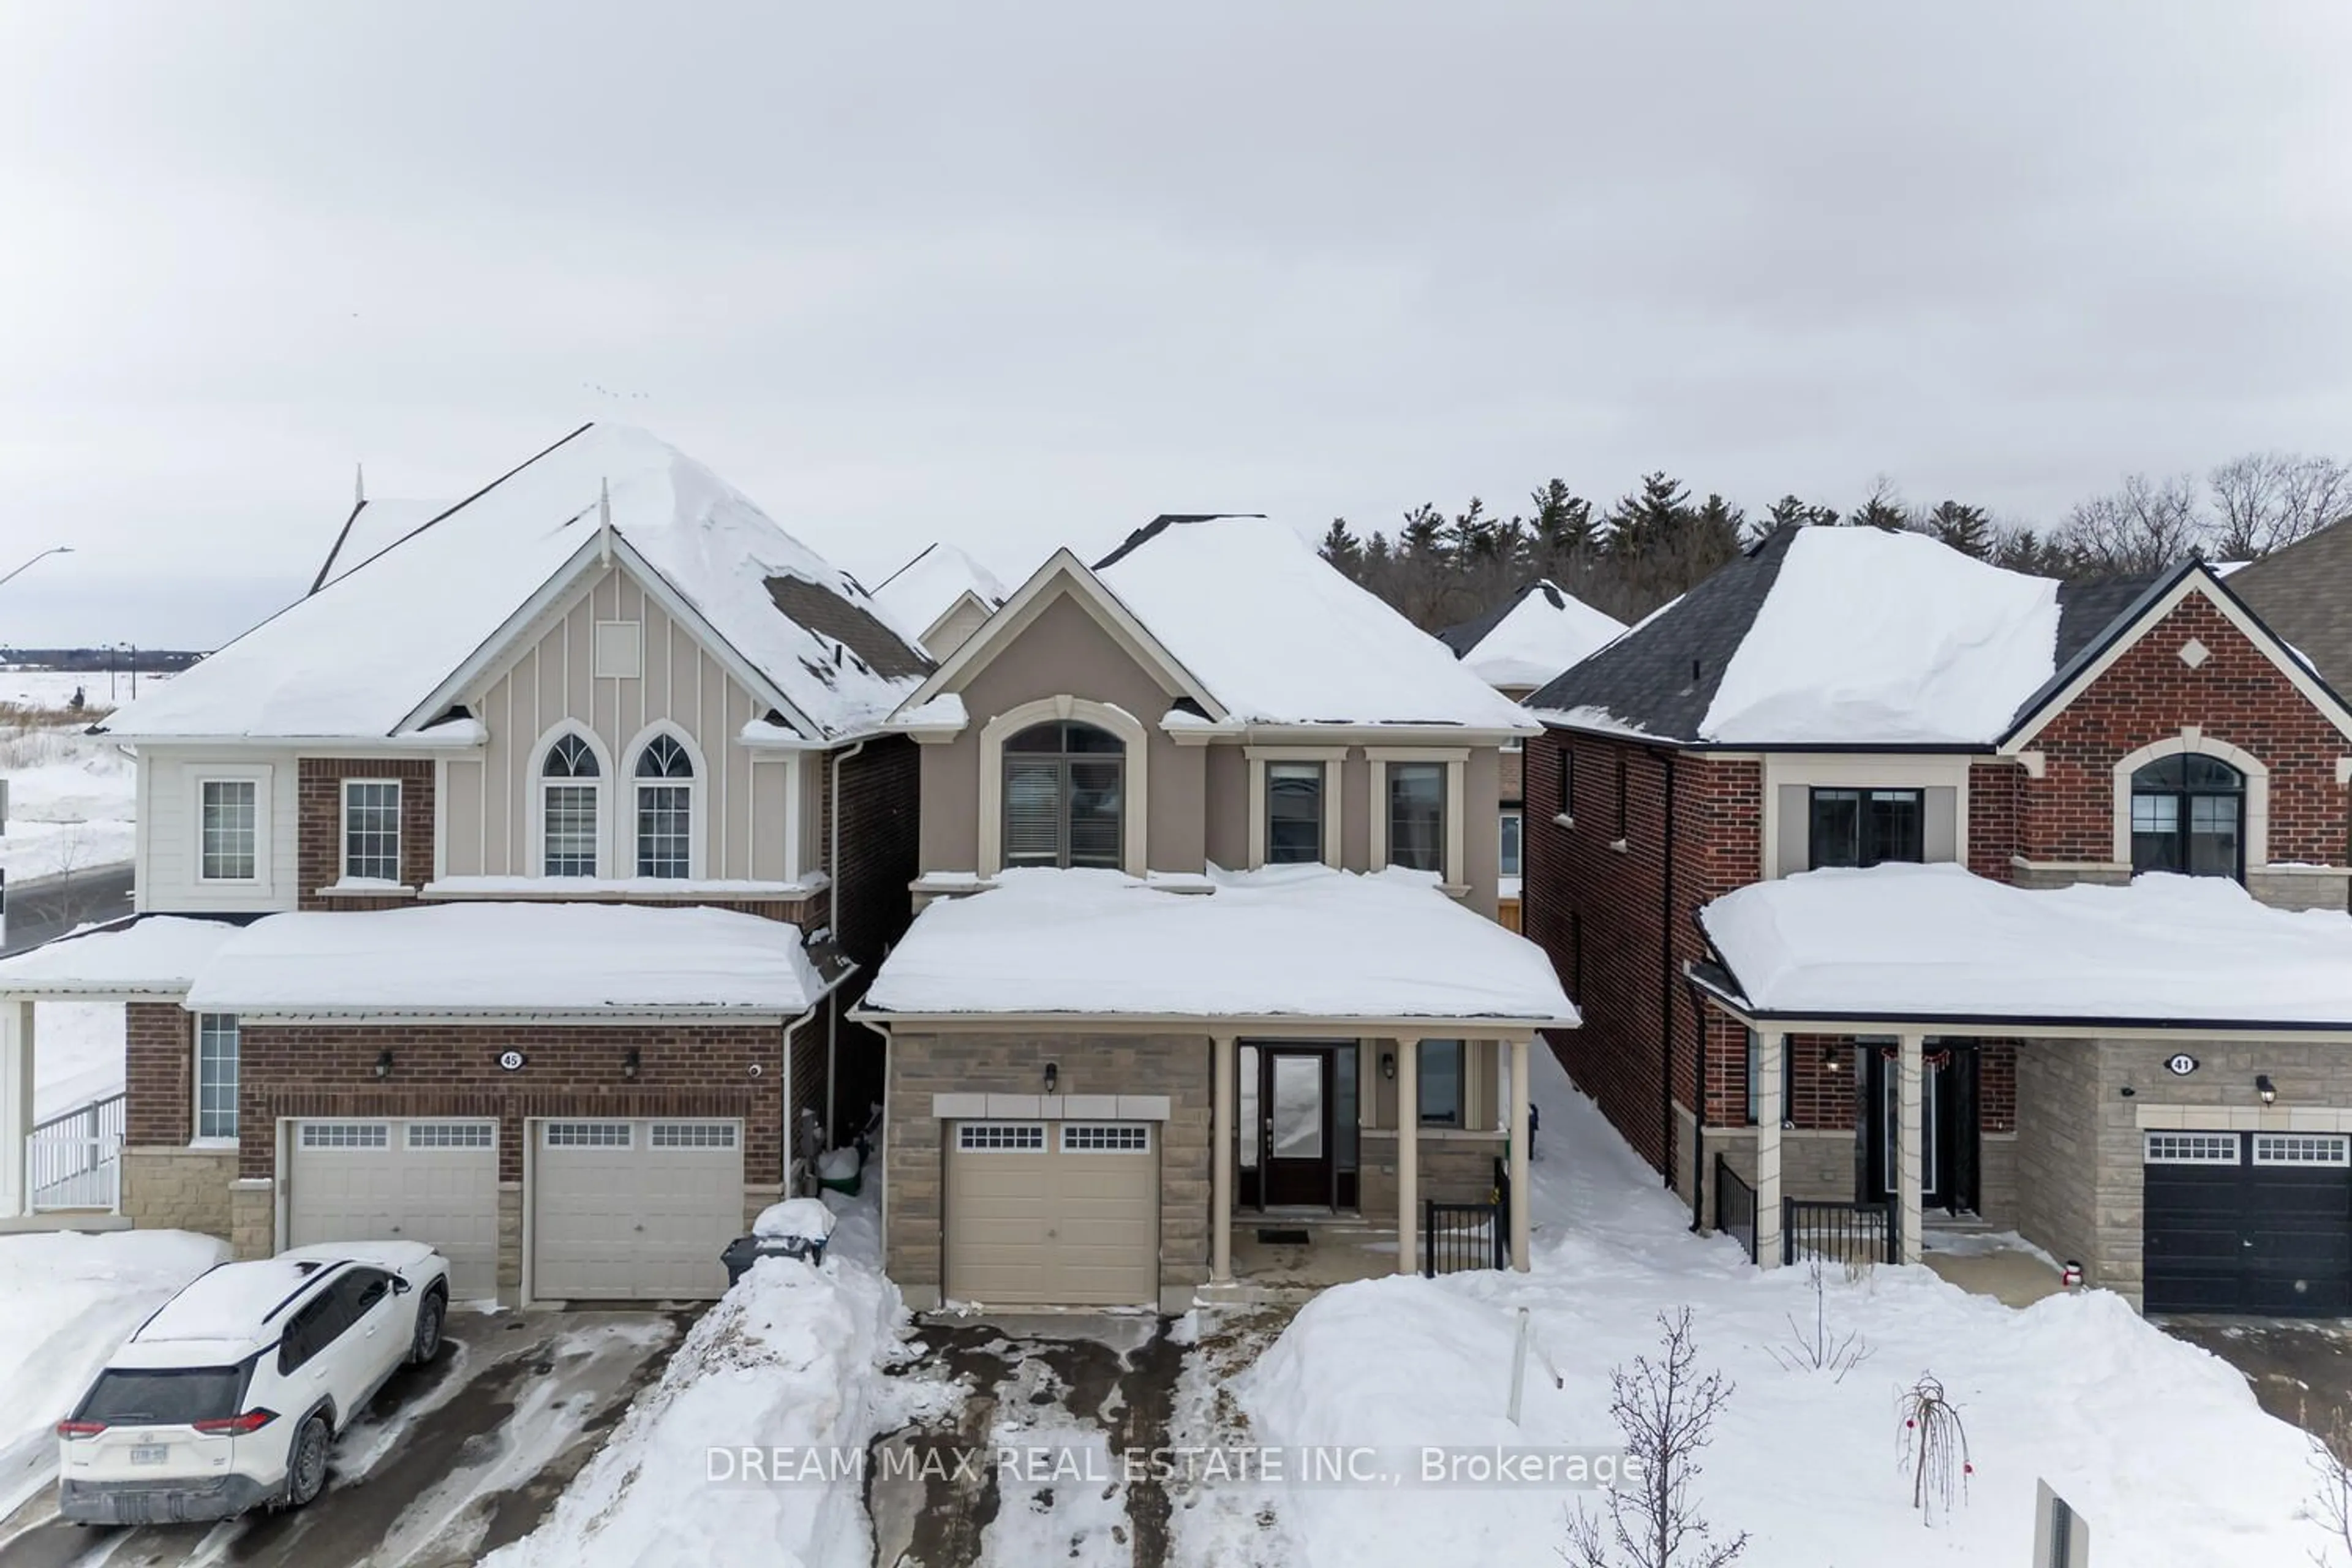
1117	1138
452	1136
346	1135
692	1135
588	1135
2192	1149
1007	1136
2302	1149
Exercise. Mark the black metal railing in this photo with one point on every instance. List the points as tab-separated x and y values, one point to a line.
1848	1233
1458	1237
1735	1207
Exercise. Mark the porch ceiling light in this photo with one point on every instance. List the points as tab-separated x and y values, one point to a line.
384	1063
2266	1088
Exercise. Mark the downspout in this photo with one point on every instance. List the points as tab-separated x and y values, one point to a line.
889	1049
1667	992
832	872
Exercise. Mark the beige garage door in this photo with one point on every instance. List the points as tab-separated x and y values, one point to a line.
635	1210
434	1181
1063	1213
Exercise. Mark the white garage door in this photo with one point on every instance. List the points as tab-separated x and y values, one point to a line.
635	1210
1063	1213
432	1180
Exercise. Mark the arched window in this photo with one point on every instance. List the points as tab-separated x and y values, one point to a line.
570	784
665	777
1065	795
2189	814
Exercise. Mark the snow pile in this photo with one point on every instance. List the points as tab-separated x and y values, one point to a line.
155	954
355	658
2160	1446
1887	638
1916	942
68	1301
803	1219
924	589
1549	630
1278	637
789	1361
71	797
530	958
1284	940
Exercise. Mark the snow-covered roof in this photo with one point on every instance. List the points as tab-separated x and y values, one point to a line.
371	528
146	954
918	594
574	959
358	656
1280	637
1900	942
1285	942
1532	637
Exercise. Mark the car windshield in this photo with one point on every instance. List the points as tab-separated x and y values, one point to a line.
171	1396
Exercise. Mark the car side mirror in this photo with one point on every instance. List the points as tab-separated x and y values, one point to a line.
400	1287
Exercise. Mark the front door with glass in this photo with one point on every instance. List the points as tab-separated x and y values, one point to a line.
1295	1125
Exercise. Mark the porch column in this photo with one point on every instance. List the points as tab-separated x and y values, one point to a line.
1408	1119
1914	1053
1519	1151
16	1104
1769	1112
1220	1166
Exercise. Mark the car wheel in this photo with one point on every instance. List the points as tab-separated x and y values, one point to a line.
306	1467
427	1343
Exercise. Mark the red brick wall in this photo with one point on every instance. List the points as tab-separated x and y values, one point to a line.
158	1062
1993	789
1823	1097
1599	913
2237	695
319	824
683	1070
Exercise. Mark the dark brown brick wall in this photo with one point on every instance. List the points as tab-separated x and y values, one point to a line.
2237	695
319	824
683	1070
1993	790
159	1065
881	791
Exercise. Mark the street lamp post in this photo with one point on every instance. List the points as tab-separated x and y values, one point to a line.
43	555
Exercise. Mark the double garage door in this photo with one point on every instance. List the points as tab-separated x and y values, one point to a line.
1053	1212
621	1210
2249	1222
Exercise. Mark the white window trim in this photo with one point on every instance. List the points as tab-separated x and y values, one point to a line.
197	1137
1020	1130
258	775
2192	740
1860	771
1456	759
2181	1147
1335	767
344	828
603	784
1134	826
1519	813
697	795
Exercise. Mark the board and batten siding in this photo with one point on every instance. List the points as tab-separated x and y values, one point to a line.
169	840
743	810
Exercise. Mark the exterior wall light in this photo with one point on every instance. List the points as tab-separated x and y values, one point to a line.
1388	1066
383	1064
2266	1088
629	1063
1053	1076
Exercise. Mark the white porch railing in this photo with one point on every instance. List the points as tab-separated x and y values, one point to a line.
75	1161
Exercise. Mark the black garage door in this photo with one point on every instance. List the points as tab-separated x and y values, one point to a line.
2249	1222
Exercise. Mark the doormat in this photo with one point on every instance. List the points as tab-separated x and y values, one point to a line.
1274	1238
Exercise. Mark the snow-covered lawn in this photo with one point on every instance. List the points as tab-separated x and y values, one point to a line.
2158	1444
793	1360
69	794
66	1302
77	1054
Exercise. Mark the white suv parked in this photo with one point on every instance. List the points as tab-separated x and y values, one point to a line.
228	1397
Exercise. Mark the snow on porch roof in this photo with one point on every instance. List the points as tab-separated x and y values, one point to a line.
501	958
1286	941
143	955
1935	943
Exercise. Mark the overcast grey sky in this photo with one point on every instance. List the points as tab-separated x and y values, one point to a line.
1023	276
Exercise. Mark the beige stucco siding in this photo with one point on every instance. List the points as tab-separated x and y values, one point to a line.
1225	800
489	801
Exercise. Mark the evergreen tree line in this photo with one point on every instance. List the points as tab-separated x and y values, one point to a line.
1653	543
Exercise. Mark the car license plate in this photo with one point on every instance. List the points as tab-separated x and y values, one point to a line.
149	1453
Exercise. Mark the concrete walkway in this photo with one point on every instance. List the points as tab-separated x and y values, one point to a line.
2011	1278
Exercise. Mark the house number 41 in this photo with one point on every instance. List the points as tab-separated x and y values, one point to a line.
2181	1066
